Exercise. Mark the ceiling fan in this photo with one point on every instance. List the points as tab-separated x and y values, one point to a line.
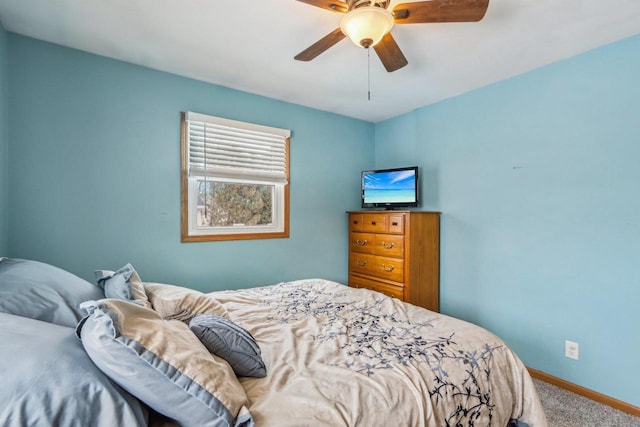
368	23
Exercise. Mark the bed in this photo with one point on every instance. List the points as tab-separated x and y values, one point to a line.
303	353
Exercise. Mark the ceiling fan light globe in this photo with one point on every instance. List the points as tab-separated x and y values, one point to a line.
367	24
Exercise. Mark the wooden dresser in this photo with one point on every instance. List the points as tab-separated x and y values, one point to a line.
396	253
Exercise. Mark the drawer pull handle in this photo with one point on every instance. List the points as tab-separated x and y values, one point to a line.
389	246
387	269
361	242
355	222
373	223
394	224
361	263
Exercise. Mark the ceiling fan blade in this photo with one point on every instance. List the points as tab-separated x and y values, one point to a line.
440	11
334	5
320	46
390	54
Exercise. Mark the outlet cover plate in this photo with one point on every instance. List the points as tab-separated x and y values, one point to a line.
572	350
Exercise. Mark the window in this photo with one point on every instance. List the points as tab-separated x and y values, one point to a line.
235	180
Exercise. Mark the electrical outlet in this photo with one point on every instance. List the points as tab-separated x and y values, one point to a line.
572	350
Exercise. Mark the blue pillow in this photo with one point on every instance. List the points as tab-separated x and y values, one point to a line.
163	364
231	342
123	284
48	380
43	292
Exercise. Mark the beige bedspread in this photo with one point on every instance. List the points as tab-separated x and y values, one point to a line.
338	356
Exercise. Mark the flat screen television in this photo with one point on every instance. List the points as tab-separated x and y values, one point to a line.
390	188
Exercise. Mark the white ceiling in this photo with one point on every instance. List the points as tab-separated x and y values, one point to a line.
250	45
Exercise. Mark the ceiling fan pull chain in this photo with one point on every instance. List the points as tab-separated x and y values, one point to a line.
368	74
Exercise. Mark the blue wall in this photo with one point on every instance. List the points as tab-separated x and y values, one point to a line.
95	173
537	178
4	146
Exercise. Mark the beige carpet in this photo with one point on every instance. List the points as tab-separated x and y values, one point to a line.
566	409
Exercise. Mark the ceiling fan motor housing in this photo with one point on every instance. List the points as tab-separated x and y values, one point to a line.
353	4
366	25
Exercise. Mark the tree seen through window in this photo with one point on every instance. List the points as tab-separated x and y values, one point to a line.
222	204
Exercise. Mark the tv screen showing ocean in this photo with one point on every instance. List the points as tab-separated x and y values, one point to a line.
388	196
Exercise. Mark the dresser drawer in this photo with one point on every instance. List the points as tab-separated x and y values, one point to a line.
362	242
378	266
389	290
390	245
374	223
395	223
355	222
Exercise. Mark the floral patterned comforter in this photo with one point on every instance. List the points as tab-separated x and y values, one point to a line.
339	356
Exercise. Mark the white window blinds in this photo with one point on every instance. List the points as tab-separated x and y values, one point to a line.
231	149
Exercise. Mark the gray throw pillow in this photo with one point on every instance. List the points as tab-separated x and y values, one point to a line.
231	342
